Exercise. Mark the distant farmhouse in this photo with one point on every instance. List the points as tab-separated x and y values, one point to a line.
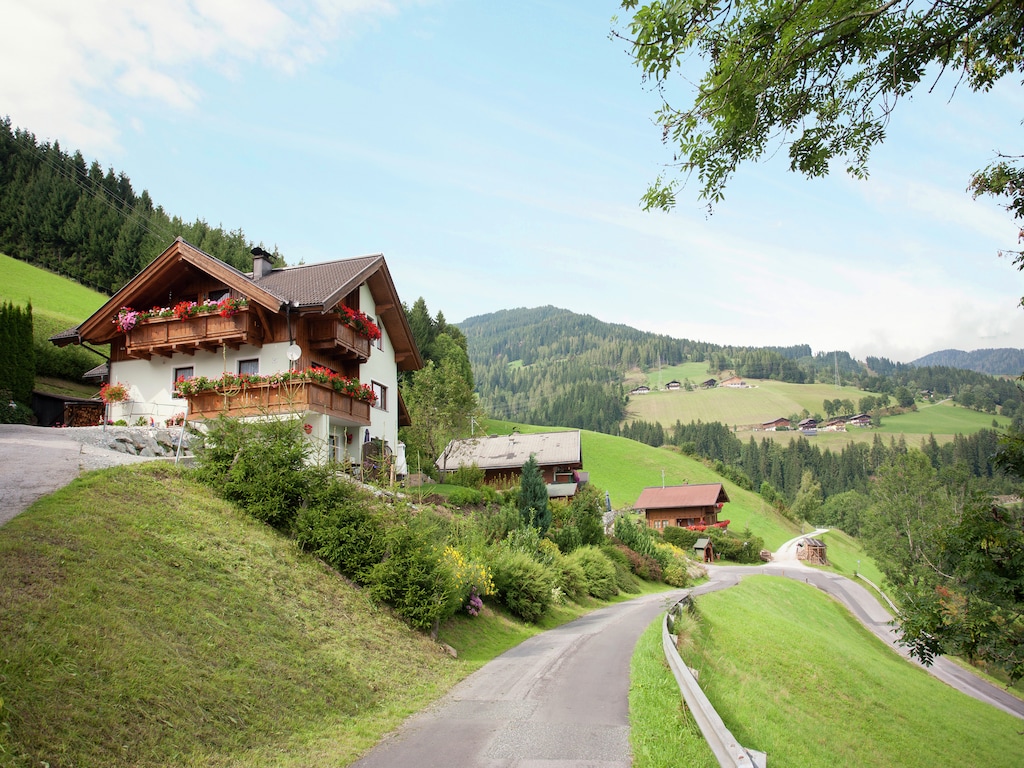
501	457
674	384
643	389
734	381
779	423
681	505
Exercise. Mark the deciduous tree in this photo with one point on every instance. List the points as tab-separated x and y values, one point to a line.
820	77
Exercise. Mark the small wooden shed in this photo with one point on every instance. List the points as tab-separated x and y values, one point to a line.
704	550
811	551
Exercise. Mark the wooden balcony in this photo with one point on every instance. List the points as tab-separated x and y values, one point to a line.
293	397
167	335
329	333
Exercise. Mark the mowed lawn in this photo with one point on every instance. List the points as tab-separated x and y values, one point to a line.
794	675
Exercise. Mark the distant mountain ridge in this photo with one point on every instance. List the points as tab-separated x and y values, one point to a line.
1004	361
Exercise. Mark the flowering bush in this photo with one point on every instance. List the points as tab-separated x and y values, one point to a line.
341	384
473	580
127	318
360	322
113	393
176	420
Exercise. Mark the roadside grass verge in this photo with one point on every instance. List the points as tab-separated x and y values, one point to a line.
662	732
144	622
794	675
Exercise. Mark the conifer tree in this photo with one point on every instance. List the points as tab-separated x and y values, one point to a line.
533	497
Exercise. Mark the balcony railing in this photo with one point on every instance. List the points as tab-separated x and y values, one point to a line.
330	333
291	397
167	335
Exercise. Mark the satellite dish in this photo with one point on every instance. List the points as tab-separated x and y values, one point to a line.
294	352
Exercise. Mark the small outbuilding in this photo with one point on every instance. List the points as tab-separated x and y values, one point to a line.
811	551
704	550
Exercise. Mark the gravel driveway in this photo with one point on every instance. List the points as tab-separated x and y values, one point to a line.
36	461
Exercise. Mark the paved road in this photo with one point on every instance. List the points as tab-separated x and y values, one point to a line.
558	700
36	461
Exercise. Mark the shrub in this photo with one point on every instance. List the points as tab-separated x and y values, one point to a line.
676	562
571	578
413	577
598	571
467	477
473	580
523	584
681	537
257	464
343	531
465	497
644	566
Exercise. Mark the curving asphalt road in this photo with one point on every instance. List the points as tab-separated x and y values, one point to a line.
559	700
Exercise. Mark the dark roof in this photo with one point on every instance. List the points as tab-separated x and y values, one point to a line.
676	496
317	284
702	543
101	371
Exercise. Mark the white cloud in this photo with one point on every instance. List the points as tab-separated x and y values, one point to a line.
57	55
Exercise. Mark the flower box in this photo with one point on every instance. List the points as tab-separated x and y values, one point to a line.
166	335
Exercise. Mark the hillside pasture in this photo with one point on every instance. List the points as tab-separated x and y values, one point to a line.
765	400
760	402
794	675
57	302
624	468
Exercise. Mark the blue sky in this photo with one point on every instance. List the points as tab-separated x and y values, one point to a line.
496	155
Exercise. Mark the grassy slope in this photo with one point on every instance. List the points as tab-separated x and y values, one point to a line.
625	467
767	400
138	611
793	674
57	303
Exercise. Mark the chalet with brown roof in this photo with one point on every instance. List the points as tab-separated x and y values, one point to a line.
860	420
323	342
558	455
673	385
681	505
643	389
733	381
779	423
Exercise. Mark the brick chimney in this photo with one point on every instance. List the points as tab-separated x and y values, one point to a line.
261	263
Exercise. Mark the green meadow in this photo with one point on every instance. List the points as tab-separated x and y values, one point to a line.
624	468
794	675
764	400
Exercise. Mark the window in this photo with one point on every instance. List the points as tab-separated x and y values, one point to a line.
218	293
181	373
380	339
382	395
249	366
